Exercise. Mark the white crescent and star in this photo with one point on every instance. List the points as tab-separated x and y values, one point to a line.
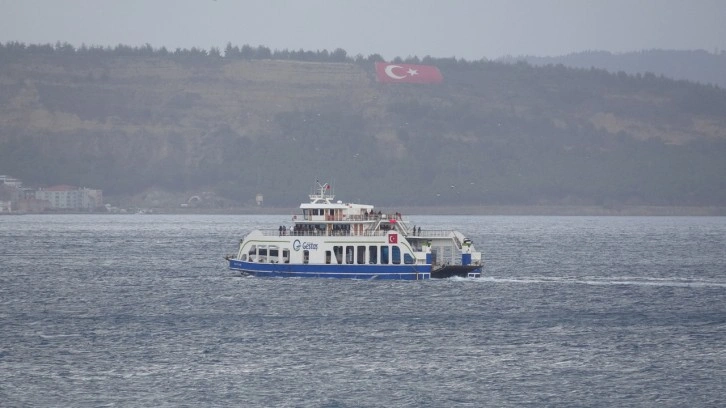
390	73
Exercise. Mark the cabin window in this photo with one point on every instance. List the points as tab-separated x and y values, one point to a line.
262	253
361	254
372	254
408	259
338	251
306	256
274	255
327	257
252	252
286	255
349	253
395	254
384	254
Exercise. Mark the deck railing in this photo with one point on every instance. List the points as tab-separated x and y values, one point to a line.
349	217
337	233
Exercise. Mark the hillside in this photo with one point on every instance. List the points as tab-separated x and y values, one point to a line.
491	134
692	65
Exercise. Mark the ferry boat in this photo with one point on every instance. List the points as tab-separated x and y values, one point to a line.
332	239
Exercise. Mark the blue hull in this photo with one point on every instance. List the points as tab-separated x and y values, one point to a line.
365	272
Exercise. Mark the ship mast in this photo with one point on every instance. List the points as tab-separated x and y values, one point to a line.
324	195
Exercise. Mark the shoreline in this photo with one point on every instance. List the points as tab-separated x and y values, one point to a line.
501	210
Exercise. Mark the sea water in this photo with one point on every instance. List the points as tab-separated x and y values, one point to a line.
141	310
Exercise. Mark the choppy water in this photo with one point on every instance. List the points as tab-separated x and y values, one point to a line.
140	310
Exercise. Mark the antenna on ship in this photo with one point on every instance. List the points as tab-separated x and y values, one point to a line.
323	192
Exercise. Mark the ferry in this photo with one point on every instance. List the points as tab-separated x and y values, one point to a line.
332	239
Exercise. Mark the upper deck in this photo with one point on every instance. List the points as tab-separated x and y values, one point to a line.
322	207
323	216
374	233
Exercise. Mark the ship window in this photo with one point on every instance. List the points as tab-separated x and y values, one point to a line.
372	254
327	257
274	255
306	256
361	254
349	253
286	255
338	251
395	254
384	254
408	259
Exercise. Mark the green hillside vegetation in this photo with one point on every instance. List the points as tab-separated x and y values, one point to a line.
250	120
694	65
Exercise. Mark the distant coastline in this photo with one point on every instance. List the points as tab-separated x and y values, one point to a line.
503	210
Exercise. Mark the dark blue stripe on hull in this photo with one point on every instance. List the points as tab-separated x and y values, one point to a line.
392	272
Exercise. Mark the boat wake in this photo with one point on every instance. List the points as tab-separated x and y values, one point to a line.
608	281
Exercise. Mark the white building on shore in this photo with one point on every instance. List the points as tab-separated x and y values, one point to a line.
65	197
16	198
10	181
9	192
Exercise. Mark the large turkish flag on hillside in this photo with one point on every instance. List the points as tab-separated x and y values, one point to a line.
413	74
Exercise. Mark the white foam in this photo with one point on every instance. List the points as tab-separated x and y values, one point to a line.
610	281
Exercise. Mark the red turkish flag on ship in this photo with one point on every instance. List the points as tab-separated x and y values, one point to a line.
413	74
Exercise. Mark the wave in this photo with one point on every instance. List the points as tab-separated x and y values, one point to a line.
607	281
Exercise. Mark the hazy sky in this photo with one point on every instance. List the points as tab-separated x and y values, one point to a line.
470	29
